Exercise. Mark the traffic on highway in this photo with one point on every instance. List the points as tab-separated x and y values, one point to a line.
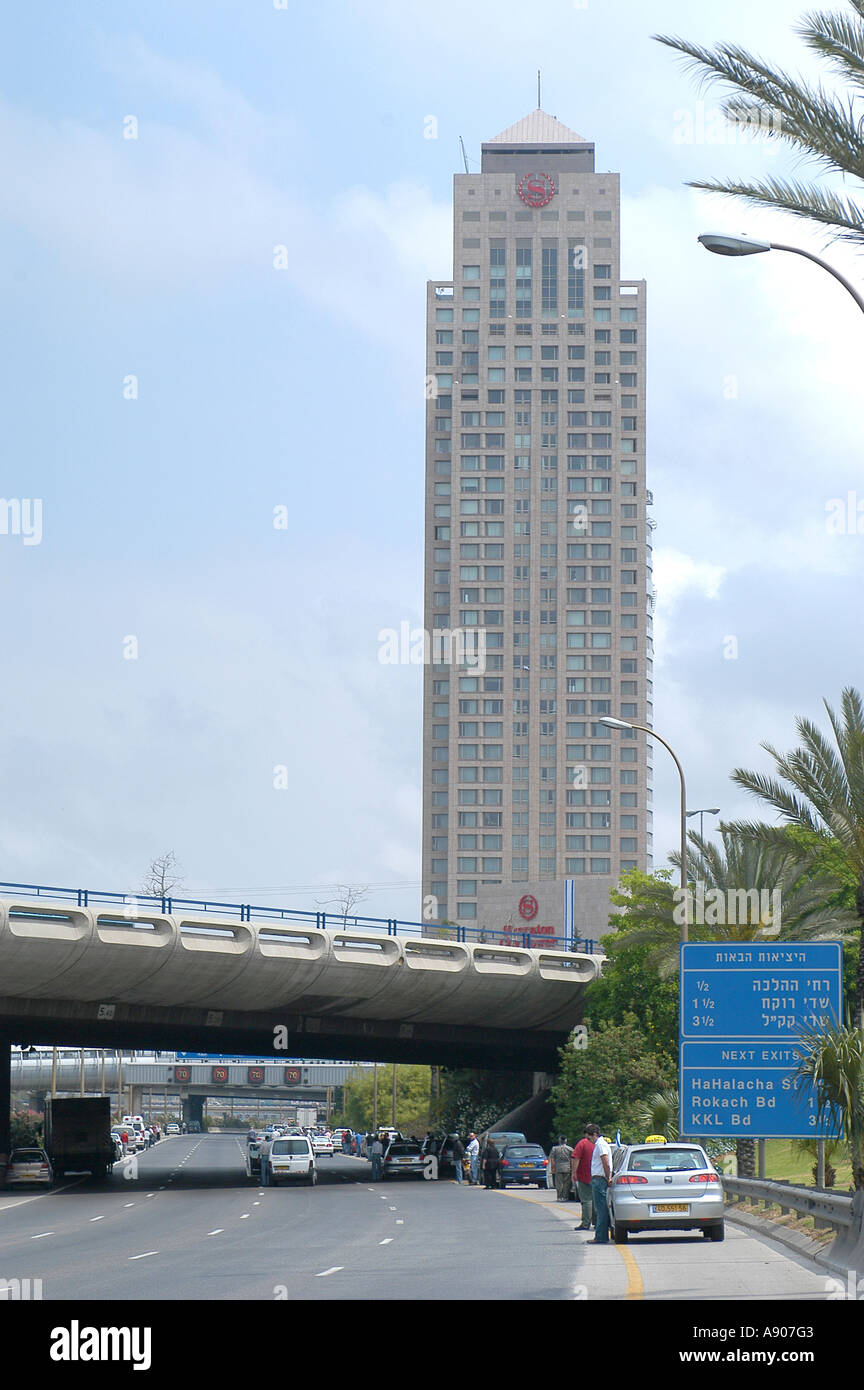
189	1218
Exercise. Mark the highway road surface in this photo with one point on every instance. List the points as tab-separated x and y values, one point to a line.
186	1224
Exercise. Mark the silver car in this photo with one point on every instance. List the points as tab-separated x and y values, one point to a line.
403	1159
665	1187
29	1166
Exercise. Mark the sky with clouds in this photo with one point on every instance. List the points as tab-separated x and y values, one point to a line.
255	647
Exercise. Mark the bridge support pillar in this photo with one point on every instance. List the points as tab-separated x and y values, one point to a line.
541	1082
5	1105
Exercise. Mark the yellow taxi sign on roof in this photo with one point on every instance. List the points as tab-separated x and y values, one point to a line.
656	1139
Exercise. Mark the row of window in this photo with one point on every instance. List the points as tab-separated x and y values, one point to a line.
547	595
519	795
546	214
576	526
576	550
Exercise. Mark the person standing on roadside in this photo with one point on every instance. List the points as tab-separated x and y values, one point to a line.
376	1153
473	1152
491	1164
559	1162
580	1171
458	1151
601	1176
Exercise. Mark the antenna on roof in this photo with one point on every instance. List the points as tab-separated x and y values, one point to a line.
464	155
538	89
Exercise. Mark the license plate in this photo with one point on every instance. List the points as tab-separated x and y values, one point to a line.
526	1165
671	1206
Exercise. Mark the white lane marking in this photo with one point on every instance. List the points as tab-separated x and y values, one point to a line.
245	1216
42	1236
97	1218
146	1255
388	1241
128	1204
22	1201
394	1208
217	1232
399	1221
334	1269
256	1204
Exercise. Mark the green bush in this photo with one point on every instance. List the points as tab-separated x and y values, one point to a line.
26	1128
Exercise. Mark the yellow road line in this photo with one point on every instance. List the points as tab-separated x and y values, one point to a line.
635	1287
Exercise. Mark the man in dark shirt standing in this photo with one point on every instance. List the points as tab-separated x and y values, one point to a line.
580	1166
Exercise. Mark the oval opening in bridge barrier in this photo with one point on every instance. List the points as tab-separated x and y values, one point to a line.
365	950
124	931
291	945
44	922
563	967
433	955
227	939
492	961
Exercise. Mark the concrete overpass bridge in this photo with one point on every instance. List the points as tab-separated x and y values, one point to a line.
105	970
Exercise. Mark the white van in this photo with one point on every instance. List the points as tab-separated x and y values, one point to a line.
289	1156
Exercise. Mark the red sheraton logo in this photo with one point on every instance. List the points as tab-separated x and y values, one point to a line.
537	189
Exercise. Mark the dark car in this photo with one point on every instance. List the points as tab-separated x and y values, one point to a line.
442	1147
523	1164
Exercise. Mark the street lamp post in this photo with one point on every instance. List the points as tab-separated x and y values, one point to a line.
705	811
623	724
723	245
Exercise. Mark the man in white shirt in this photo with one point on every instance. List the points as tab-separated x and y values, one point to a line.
473	1151
601	1176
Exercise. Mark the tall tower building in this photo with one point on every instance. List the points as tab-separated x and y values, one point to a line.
538	548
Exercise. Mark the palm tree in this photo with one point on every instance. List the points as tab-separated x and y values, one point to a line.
834	1064
659	1114
747	875
810	1148
822	127
740	883
821	790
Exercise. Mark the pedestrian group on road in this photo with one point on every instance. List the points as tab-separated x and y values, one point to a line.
579	1173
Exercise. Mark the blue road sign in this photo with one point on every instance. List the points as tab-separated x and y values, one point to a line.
743	1008
227	1057
758	991
746	1088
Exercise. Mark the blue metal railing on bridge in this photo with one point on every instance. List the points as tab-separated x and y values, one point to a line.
332	921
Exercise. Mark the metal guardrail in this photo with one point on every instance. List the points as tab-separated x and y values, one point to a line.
832	1210
332	921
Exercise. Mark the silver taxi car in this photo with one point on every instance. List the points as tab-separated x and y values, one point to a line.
665	1186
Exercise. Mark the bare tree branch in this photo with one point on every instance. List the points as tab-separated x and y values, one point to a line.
162	877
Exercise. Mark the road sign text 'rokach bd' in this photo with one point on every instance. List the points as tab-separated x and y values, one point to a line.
743	1010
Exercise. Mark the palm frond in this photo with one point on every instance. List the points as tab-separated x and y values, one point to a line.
837	38
807	201
820	125
793	808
